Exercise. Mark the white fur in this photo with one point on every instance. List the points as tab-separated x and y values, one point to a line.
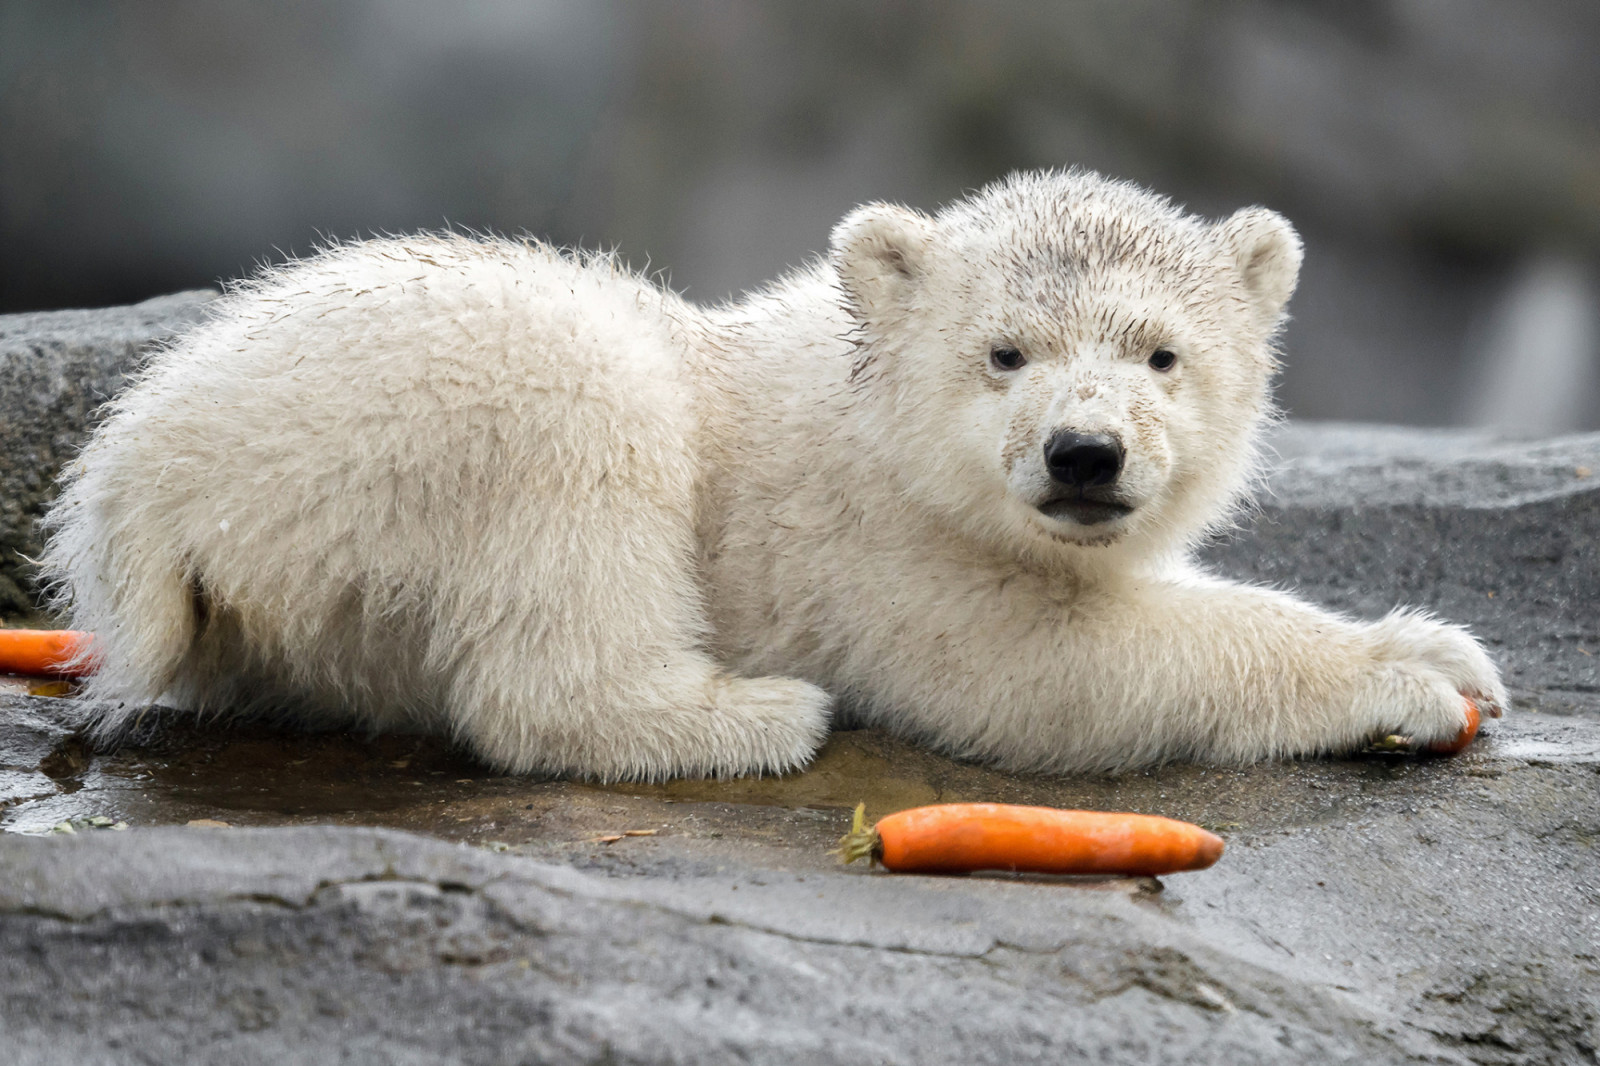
588	528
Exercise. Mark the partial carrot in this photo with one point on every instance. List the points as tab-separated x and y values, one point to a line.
962	837
1395	743
45	652
1463	738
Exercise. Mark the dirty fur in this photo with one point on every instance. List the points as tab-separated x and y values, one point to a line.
535	501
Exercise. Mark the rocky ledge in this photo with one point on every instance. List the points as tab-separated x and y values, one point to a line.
56	370
276	897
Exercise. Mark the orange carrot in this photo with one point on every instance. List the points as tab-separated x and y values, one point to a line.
962	837
45	652
1461	739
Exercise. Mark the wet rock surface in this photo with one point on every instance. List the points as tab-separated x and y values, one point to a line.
277	896
389	895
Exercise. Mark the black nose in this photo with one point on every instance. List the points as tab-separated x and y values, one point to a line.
1083	460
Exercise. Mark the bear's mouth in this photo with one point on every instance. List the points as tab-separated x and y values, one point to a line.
1084	509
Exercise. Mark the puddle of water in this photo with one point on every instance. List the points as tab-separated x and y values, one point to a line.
1547	751
846	771
18	786
17	685
186	771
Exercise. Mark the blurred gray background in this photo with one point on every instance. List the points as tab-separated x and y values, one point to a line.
1441	157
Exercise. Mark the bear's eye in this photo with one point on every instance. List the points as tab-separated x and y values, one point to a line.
1005	357
1163	359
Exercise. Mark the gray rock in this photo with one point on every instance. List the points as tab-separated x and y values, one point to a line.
270	946
1389	911
56	369
1499	534
1375	910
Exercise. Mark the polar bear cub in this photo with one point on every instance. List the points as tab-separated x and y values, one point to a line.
948	477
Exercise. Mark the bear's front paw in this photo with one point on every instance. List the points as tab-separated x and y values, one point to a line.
1424	672
1414	639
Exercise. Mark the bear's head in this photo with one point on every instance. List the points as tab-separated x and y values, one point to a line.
1063	361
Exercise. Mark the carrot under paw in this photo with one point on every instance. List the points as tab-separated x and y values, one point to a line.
963	837
1468	732
1394	743
46	652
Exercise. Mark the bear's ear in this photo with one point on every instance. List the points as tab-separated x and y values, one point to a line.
880	251
1267	251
